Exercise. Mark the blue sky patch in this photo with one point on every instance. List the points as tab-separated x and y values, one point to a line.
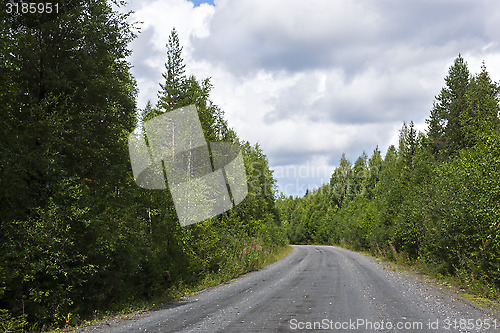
199	2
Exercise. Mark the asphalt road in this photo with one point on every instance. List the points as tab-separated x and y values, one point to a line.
317	289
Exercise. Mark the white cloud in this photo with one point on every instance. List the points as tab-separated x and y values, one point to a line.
163	16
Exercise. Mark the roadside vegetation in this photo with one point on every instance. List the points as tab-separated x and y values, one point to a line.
432	202
78	238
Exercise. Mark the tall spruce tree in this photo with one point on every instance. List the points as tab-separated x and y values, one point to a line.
481	116
444	129
340	182
173	92
406	150
374	169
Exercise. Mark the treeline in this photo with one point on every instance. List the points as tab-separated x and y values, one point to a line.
434	199
78	236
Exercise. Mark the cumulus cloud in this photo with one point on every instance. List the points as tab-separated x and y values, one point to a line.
289	35
351	35
311	80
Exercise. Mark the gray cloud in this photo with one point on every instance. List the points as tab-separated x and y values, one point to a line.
376	99
350	37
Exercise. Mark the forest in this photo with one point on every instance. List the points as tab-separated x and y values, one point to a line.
78	237
432	200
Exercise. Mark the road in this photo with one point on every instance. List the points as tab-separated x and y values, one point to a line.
317	289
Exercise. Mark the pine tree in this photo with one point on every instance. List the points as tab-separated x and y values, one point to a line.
359	176
340	182
407	148
481	116
172	93
178	91
374	168
444	123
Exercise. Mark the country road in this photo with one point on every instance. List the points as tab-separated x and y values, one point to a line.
316	289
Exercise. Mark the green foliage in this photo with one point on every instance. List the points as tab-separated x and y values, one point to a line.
466	213
8	324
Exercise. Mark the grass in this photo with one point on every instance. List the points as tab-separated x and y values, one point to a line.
218	278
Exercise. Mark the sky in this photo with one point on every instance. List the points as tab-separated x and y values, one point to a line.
311	80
